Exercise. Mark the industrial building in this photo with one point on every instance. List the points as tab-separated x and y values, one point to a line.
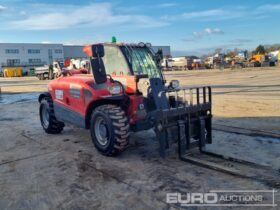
29	55
73	51
166	51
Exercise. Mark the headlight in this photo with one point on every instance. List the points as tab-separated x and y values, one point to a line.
174	84
116	89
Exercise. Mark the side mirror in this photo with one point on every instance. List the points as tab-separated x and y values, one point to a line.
95	50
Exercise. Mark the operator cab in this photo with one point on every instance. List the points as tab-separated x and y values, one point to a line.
125	63
124	59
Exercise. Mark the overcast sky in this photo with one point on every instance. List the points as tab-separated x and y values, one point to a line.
194	27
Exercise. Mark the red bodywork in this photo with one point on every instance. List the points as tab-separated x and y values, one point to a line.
76	71
79	92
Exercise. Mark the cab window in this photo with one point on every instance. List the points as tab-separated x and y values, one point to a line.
114	61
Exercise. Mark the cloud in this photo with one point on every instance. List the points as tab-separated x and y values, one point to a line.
269	7
196	36
177	53
241	41
167	5
226	13
22	13
212	31
208	15
2	8
48	17
208	31
203	14
46	42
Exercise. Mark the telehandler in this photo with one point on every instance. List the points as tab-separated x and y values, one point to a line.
126	91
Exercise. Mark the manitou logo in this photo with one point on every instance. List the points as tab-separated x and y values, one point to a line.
192	198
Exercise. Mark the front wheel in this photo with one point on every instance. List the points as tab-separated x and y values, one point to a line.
109	129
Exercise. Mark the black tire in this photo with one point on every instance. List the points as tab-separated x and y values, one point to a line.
55	75
116	126
45	76
42	77
50	125
51	74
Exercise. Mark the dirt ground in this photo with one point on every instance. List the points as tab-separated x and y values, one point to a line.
42	171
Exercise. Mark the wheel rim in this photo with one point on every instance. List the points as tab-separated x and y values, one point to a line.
45	116
101	131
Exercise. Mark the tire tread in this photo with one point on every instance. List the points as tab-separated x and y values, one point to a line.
120	128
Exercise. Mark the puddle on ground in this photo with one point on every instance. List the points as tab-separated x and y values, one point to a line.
18	97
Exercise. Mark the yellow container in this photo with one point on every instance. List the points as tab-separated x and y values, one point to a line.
13	72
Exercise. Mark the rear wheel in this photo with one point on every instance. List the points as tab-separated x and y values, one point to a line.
109	129
45	76
40	76
48	121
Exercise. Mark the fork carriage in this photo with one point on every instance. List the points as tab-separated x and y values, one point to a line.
188	110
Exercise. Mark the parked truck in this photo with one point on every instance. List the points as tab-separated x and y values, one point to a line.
183	62
215	62
49	71
167	64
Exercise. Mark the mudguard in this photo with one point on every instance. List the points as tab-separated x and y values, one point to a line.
43	95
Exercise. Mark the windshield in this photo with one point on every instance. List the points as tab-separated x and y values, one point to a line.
141	61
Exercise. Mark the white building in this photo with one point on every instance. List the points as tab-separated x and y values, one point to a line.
29	55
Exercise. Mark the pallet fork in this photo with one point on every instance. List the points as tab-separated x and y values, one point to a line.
187	109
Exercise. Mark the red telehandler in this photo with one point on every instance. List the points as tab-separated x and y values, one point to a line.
126	91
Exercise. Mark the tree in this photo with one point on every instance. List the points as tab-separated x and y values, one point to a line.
260	49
